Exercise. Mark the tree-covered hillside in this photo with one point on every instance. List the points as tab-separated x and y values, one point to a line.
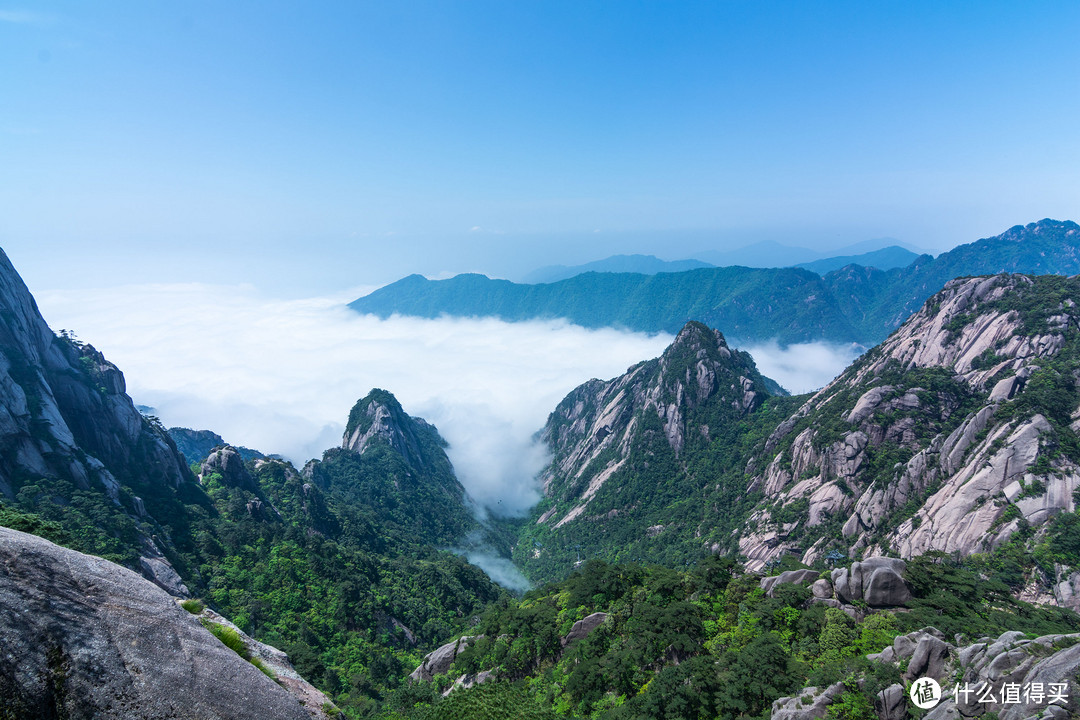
850	304
646	642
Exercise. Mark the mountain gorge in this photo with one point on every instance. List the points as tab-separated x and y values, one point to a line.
339	565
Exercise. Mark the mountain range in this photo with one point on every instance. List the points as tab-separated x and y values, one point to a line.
955	435
749	305
706	545
769	255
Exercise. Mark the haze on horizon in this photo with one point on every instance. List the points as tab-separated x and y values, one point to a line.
309	149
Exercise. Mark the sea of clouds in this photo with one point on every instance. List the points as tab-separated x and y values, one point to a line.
281	375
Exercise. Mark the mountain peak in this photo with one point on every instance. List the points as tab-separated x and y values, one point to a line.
379	418
696	332
604	435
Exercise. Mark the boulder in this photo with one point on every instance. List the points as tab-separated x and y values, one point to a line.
85	638
885	587
878	581
439	660
891	703
583	627
226	462
928	659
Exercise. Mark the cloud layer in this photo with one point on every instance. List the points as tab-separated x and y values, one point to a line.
281	376
803	367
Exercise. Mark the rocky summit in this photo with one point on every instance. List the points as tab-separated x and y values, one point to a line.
591	433
624	450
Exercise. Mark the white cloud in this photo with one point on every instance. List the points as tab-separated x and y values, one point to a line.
27	17
805	366
281	376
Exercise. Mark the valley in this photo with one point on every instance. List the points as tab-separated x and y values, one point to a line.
697	522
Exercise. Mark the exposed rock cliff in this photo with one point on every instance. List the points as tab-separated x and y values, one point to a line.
952	435
396	466
85	638
623	450
378	418
67	426
593	431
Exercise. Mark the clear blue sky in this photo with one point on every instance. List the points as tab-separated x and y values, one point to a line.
323	145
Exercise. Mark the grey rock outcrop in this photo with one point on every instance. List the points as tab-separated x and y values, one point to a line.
379	417
583	627
891	703
989	668
878	581
928	658
65	416
468	680
278	663
227	462
439	660
84	638
964	482
810	703
797	577
593	430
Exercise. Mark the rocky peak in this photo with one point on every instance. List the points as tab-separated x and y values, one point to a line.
697	385
378	417
975	328
227	462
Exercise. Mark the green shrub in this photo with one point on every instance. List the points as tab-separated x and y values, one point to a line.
232	640
228	637
193	606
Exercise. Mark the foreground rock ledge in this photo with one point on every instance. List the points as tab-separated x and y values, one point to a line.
81	637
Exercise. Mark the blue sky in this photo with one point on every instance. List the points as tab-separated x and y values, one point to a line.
305	147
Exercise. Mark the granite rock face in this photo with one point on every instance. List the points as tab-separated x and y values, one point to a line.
595	429
227	462
810	703
85	638
909	449
878	581
439	660
65	416
583	627
797	577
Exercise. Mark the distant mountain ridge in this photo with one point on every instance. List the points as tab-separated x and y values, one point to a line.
769	253
883	259
644	264
790	305
887	258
